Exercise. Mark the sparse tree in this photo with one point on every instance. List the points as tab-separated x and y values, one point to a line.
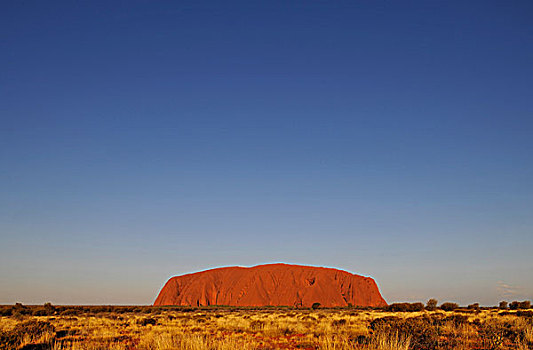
315	306
449	306
398	307
504	305
526	304
417	307
474	306
431	304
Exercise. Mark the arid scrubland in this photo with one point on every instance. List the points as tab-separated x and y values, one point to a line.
148	328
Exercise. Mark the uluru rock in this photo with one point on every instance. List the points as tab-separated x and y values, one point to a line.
271	285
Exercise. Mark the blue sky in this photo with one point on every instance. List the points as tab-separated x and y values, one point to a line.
141	140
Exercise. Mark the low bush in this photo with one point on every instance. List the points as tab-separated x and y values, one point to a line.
423	330
257	325
405	307
338	323
6	310
315	306
147	321
474	306
449	306
515	305
31	330
457	320
431	304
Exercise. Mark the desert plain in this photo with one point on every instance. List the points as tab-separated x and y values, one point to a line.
51	327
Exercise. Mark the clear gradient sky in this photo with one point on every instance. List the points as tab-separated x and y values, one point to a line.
145	139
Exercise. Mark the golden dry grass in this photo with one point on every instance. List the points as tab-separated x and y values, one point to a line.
225	329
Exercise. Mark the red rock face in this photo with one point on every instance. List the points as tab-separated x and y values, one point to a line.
271	285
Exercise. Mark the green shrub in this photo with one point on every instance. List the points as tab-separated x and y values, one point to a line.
525	305
315	306
417	306
515	305
449	306
405	307
474	306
